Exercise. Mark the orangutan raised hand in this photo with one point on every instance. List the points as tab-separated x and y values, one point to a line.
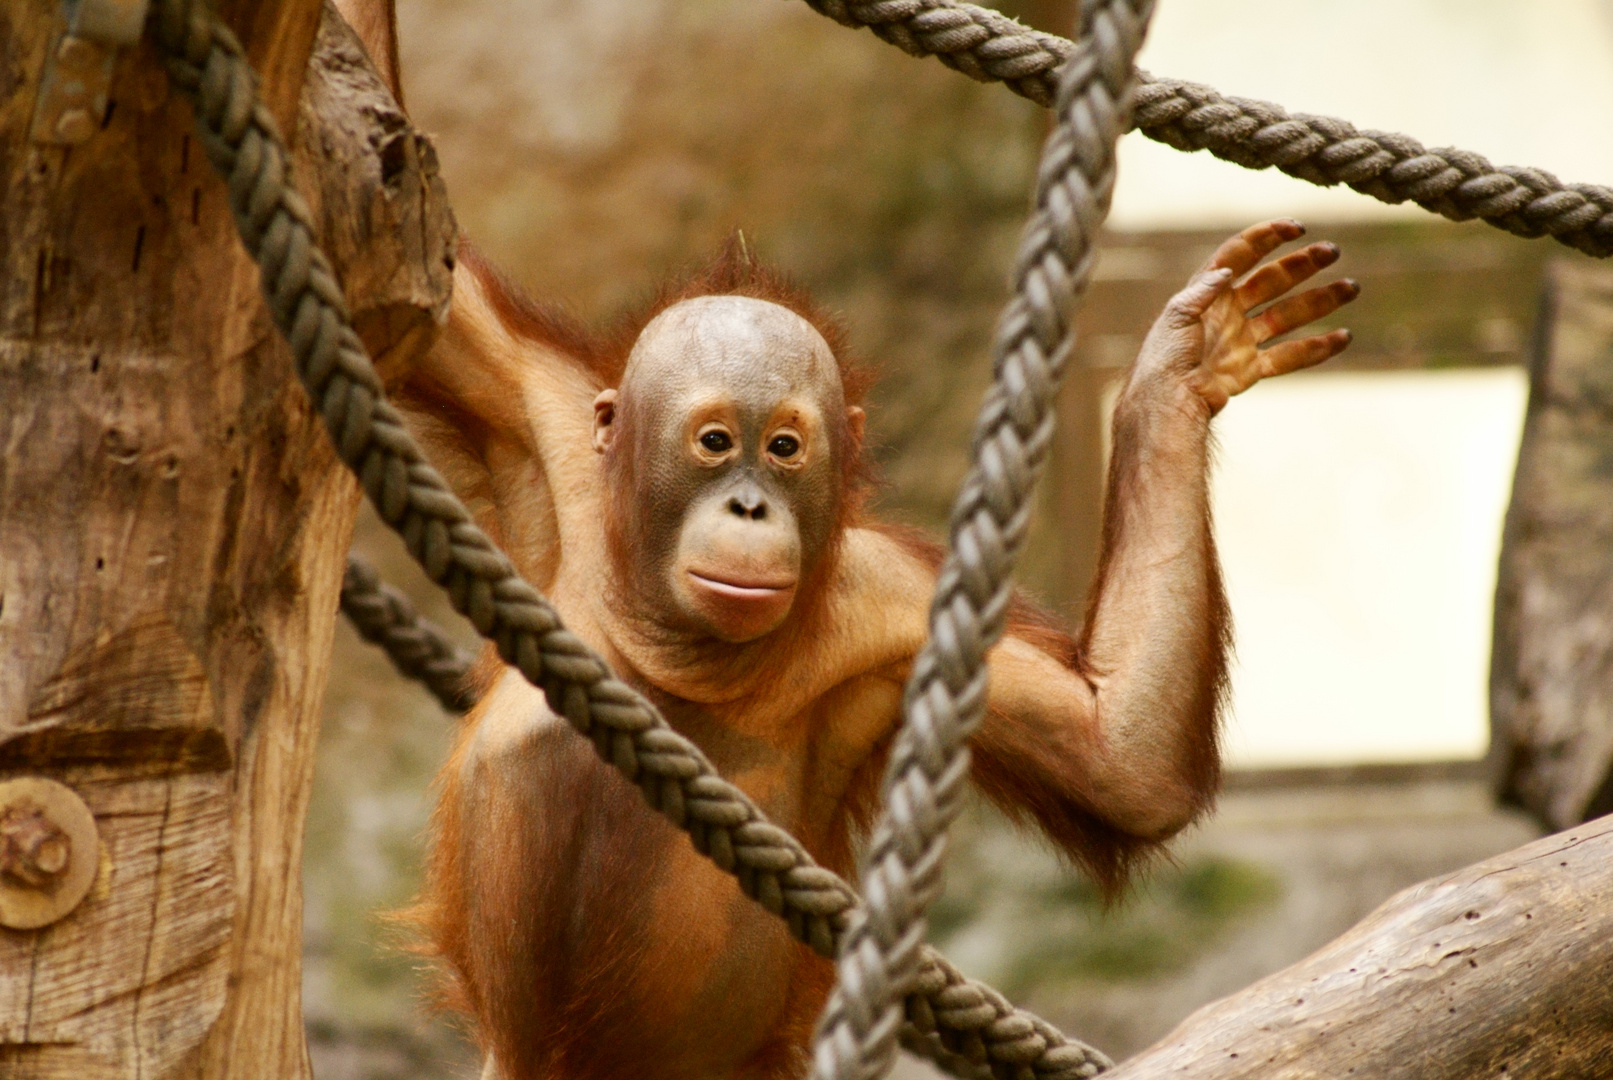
1209	335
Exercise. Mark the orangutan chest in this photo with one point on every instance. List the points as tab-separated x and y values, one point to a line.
798	766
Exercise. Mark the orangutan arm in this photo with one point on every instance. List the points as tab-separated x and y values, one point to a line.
1124	738
507	417
1120	742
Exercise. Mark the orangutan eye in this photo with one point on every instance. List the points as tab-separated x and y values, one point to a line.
784	446
716	441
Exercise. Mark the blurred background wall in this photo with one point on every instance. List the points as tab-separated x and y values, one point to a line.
591	147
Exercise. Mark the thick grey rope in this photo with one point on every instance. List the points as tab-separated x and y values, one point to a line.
945	698
206	64
419	650
1457	184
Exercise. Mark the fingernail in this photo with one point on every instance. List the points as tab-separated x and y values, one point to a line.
1348	336
1355	286
1329	249
1298	224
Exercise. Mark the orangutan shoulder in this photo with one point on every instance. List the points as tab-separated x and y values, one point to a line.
878	601
511	719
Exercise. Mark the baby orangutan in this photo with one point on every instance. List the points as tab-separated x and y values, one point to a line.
692	502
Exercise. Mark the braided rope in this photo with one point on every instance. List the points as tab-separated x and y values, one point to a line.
985	45
1456	184
419	650
206	64
945	698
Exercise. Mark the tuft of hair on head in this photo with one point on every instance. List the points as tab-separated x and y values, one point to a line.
734	271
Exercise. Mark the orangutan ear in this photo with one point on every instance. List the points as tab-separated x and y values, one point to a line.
604	420
856	425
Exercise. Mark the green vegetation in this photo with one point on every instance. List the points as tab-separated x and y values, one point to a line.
1170	921
1015	916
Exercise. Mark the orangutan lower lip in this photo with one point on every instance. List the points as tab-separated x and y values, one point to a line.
749	590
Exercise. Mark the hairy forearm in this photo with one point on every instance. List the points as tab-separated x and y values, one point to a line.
1154	644
1129	728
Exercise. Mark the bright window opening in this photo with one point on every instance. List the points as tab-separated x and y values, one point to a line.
1358	517
1359	520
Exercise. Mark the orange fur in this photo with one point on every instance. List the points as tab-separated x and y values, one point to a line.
1021	773
579	929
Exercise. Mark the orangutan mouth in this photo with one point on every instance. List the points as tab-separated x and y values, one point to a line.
744	590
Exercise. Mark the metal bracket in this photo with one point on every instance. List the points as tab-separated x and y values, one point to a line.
78	69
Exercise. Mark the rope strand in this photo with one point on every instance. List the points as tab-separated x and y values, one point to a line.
419	650
1457	184
945	698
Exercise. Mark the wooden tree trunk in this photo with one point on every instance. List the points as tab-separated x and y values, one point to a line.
1503	969
1551	678
172	531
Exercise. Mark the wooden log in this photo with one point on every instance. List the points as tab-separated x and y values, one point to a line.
1502	969
1551	675
172	530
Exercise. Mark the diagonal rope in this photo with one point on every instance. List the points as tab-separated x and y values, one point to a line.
945	698
206	64
1456	184
418	649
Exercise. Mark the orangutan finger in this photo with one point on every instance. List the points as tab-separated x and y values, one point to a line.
1302	353
1275	278
1307	307
1243	252
1188	306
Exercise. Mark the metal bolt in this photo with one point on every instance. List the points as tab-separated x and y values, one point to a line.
75	125
34	850
50	852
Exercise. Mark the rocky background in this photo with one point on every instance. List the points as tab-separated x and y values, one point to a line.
591	147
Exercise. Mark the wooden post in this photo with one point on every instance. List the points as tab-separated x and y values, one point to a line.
1551	674
172	531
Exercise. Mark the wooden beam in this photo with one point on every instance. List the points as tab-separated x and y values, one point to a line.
1503	969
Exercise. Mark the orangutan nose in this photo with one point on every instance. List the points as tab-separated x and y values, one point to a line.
748	504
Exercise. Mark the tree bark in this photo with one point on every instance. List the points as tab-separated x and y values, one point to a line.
172	530
1551	676
1502	969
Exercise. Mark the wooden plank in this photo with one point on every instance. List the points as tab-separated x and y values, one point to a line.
1381	773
